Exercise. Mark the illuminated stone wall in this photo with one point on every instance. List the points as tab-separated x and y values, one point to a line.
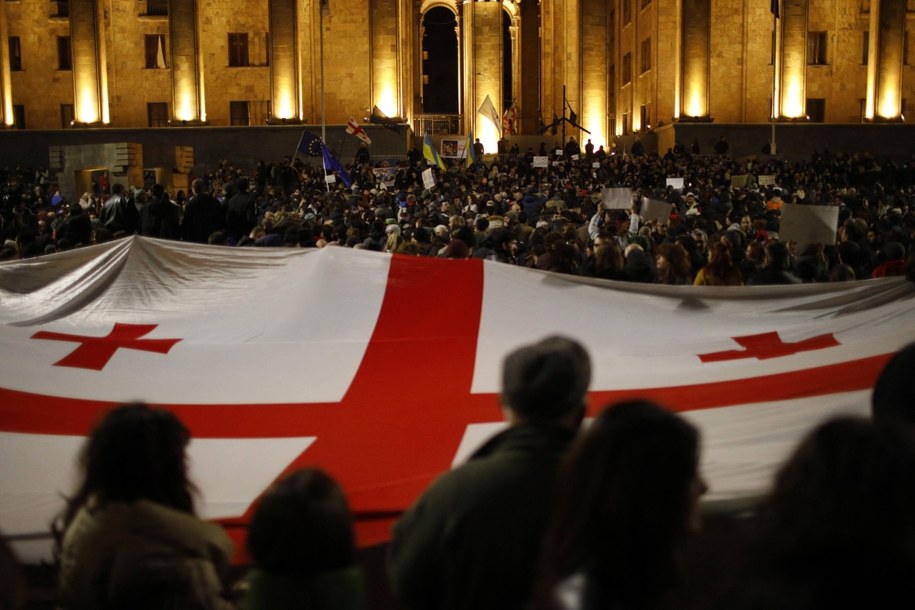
372	56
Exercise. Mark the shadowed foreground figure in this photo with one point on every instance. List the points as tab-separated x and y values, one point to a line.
627	497
838	529
472	540
302	542
893	400
128	537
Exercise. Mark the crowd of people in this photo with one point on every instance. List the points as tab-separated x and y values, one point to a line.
723	228
546	515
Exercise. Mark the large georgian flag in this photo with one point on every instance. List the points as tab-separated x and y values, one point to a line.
384	370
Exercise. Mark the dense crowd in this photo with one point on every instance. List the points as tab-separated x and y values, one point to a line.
546	514
509	209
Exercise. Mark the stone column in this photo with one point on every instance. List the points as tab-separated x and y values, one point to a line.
793	54
406	57
90	79
285	80
530	63
885	60
6	88
386	81
694	59
187	62
482	39
572	63
595	59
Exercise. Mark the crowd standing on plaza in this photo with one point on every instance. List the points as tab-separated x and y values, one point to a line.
547	514
505	208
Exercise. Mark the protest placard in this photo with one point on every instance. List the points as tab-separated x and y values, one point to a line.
655	210
809	224
617	198
428	179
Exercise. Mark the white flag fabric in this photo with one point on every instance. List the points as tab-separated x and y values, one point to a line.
355	129
488	110
384	369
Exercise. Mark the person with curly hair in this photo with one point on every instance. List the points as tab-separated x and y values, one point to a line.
128	537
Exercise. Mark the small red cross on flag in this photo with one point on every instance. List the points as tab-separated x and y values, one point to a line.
769	345
94	352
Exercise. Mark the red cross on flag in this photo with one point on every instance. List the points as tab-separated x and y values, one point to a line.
384	370
355	129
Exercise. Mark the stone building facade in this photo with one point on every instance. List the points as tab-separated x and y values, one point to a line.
616	67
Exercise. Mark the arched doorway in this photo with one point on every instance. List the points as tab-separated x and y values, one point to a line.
440	76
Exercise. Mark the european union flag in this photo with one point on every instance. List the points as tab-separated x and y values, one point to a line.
309	144
380	118
332	164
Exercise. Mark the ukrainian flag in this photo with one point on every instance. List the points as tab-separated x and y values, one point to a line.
430	154
470	152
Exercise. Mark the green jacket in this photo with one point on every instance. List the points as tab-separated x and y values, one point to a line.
472	541
142	555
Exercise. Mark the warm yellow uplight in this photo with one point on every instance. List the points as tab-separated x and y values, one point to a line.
695	106
793	100
595	119
488	134
889	104
285	104
387	98
185	107
86	107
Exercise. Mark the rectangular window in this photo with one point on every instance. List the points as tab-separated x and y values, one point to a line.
64	58
18	116
627	11
645	3
816	109
816	48
67	115
60	8
15	54
157	114
645	116
155	8
645	56
154	45
238	50
865	47
627	69
239	114
625	123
